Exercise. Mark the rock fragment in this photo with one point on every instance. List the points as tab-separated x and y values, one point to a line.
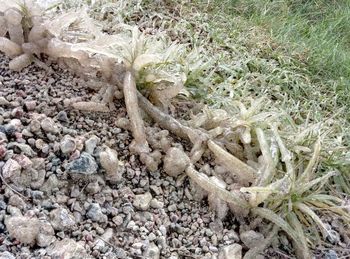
30	105
35	126
61	219
85	165
3	137
67	248
95	213
100	242
142	201
24	148
91	143
23	161
49	126
7	255
251	238
109	161
67	144
3	151
233	251
175	161
62	116
46	235
17	201
24	229
93	187
3	101
155	204
11	170
152	251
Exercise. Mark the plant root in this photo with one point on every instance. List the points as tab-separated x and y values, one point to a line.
207	184
166	121
139	144
245	173
20	62
90	107
9	47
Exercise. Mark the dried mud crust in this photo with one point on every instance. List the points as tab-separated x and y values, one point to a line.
172	224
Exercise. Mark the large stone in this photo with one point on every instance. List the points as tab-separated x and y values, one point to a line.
23	161
152	251
100	243
67	144
24	229
11	170
61	219
67	248
49	126
175	161
91	144
46	235
7	255
251	238
109	161
95	213
62	116
142	201
35	126
85	165
30	105
3	101
24	148
233	251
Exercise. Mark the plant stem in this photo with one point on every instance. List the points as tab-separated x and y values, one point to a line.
139	144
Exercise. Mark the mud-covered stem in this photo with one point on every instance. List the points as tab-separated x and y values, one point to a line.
166	121
132	108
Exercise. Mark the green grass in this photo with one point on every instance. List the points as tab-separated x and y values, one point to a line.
316	30
320	28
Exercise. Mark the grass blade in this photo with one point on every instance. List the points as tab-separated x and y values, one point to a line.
279	221
307	210
311	167
269	170
302	251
